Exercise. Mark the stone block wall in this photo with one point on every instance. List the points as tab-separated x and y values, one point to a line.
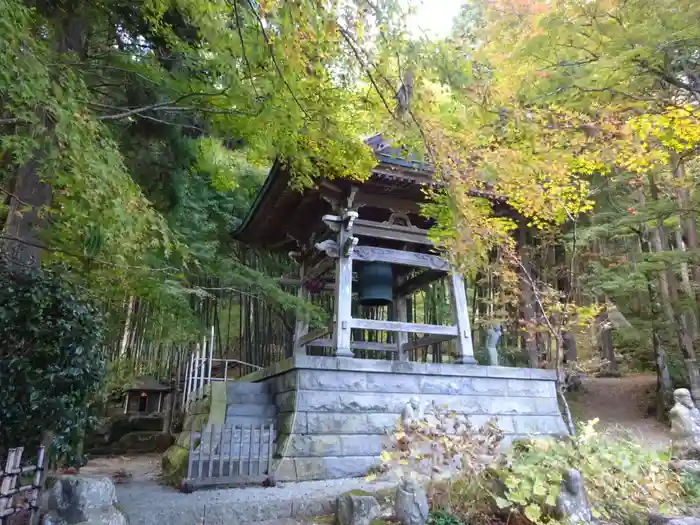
334	412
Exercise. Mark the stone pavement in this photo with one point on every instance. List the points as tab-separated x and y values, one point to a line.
147	503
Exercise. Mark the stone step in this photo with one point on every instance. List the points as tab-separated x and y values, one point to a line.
237	409
247	421
245	387
243	452
237	398
238	437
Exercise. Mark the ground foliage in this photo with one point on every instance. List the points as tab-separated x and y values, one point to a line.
51	364
623	480
471	481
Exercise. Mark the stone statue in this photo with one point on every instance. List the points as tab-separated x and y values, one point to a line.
356	509
685	426
572	503
411	503
493	335
411	412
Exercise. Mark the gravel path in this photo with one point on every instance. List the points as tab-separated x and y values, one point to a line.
620	405
147	503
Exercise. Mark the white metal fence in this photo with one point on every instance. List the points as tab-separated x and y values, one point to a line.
198	370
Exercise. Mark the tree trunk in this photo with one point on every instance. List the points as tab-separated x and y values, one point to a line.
28	209
527	301
664	385
668	290
691	318
26	216
605	341
688	221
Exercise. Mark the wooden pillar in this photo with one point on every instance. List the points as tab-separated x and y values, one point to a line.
401	314
343	295
465	348
301	327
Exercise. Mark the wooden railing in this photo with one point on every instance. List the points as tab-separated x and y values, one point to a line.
16	497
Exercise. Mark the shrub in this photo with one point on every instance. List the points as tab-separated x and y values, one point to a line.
439	445
452	456
622	479
51	367
443	518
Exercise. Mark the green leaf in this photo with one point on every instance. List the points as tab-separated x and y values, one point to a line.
502	503
533	513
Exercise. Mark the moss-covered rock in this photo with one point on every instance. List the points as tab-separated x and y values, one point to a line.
210	409
174	464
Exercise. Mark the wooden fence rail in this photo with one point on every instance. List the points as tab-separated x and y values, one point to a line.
230	454
15	497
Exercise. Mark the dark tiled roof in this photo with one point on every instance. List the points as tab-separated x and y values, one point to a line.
148	383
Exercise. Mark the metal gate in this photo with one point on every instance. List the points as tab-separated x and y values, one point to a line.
230	454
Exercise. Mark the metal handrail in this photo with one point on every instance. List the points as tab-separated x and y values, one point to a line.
237	361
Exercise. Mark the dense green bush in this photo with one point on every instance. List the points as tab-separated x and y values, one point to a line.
622	478
51	366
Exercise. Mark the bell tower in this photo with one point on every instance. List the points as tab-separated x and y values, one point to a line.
368	248
367	244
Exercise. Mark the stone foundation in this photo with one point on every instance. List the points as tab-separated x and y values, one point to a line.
333	413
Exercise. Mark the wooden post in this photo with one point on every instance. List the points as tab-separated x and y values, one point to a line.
343	296
168	412
465	348
37	484
401	314
302	324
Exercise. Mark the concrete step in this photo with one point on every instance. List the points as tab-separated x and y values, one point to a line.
246	421
237	447
245	387
236	398
265	411
240	450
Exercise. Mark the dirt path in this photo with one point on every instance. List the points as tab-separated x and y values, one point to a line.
620	404
145	467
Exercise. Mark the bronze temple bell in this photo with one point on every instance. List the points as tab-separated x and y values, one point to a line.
375	282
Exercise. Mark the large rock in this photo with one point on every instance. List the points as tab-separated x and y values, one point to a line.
411	505
656	518
356	509
79	500
686	466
